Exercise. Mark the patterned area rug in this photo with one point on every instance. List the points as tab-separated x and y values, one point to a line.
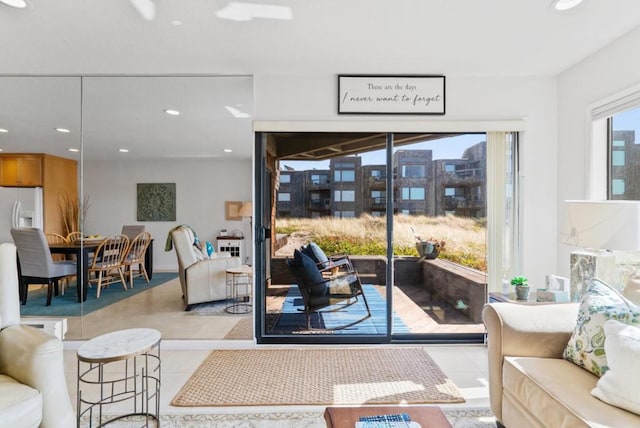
317	377
459	418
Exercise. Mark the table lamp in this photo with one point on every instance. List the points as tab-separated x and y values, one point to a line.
598	227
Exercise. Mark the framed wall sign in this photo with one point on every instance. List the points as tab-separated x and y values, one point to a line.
401	94
156	202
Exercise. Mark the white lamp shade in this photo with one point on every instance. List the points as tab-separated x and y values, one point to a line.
607	225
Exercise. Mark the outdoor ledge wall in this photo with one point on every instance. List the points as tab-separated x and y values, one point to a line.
443	280
452	282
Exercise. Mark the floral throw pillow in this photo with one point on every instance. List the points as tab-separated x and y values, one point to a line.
599	303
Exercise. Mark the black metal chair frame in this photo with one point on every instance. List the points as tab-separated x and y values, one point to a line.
314	303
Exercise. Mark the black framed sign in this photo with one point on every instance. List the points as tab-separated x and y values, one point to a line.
396	94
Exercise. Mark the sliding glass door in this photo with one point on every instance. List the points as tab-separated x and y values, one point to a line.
411	213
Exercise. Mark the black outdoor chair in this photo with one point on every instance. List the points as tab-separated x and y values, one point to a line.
328	286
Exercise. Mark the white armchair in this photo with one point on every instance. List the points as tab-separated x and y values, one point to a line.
33	390
201	279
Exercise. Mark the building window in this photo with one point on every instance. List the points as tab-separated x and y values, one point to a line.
624	155
376	173
284	197
317	179
413	171
344	175
343	165
285	178
617	187
413	194
379	196
344	195
450	191
449	167
344	214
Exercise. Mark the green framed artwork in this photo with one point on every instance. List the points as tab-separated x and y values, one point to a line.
156	201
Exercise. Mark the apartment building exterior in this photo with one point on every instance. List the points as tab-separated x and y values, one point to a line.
624	178
421	186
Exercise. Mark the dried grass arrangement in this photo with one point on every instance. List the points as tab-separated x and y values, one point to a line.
73	213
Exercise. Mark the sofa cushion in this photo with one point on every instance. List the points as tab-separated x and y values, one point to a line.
557	393
599	303
622	345
20	405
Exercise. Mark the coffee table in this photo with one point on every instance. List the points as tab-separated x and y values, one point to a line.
346	417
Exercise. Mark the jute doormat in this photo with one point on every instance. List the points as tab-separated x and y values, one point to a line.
317	377
243	330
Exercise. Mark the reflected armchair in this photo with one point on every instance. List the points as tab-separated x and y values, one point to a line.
33	390
202	279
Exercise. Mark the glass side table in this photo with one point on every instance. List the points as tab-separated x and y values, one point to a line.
119	367
239	283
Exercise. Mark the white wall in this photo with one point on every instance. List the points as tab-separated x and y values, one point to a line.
202	187
602	75
313	97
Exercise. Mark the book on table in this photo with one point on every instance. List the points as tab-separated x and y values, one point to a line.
396	420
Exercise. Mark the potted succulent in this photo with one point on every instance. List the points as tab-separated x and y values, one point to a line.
522	287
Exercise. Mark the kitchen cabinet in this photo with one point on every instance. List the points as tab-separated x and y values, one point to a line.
57	176
21	170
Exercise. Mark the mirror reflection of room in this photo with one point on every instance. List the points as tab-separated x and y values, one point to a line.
143	159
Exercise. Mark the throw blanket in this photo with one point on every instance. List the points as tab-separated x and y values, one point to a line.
168	246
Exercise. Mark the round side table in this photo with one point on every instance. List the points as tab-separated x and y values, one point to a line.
239	289
132	378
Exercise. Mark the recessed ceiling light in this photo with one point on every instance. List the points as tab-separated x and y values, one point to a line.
565	4
73	149
171	112
3	131
227	150
123	150
20	4
242	11
63	130
237	113
176	23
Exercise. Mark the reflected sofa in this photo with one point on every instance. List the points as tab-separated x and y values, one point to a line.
202	279
530	384
33	389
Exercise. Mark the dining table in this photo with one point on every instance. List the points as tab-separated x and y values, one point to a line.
81	249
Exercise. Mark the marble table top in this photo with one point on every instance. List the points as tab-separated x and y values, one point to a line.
245	270
118	345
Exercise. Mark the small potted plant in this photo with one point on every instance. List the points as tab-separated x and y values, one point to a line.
522	287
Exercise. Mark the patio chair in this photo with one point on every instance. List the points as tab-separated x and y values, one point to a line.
325	287
107	262
134	259
36	264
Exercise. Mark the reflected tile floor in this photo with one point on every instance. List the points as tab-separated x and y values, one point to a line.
465	365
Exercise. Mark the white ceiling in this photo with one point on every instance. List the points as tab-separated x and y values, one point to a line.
110	37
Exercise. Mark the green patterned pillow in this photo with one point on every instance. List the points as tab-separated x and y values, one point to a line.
599	303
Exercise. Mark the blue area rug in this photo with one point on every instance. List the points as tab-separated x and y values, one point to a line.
68	305
293	320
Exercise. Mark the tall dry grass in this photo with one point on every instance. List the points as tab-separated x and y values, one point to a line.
462	239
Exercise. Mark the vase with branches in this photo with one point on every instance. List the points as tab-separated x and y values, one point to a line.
73	212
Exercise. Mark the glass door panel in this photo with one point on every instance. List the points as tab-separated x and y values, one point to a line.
439	238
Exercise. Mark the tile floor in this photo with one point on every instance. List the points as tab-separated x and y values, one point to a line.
465	365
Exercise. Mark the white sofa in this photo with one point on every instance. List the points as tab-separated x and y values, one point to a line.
530	384
202	279
33	390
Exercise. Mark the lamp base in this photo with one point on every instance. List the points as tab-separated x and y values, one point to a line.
589	264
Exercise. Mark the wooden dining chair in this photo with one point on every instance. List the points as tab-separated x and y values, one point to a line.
134	259
56	238
75	236
107	262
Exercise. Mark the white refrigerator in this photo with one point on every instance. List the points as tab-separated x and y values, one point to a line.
19	207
